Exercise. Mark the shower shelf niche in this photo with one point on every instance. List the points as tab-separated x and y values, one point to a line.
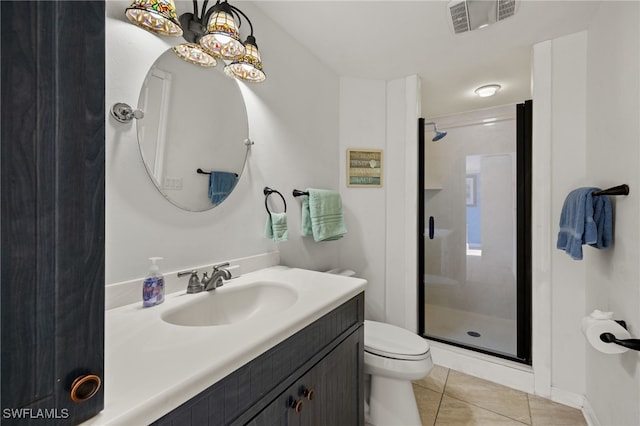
433	182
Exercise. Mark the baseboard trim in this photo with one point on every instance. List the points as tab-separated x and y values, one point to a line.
589	414
570	399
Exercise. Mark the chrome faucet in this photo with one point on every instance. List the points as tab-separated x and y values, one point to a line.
218	275
194	285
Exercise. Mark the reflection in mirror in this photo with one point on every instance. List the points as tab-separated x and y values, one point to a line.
194	118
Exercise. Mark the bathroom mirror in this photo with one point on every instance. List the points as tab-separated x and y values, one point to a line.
194	134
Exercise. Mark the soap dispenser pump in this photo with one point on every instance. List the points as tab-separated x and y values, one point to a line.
153	285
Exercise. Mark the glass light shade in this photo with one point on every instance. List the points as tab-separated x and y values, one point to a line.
157	16
488	90
249	67
223	38
195	54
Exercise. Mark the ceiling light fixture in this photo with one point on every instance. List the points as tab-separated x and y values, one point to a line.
214	33
488	90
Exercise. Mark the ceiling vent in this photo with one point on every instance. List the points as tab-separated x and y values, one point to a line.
469	15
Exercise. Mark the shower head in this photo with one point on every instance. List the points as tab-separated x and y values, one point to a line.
439	135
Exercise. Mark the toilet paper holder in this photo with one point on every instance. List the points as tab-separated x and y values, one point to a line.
627	343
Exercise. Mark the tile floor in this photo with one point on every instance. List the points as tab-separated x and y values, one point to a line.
448	397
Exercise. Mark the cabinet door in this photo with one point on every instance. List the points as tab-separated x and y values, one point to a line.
338	386
330	393
283	411
51	208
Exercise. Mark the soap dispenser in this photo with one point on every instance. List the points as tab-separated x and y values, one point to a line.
153	285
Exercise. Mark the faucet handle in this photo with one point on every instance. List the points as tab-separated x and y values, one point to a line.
220	266
194	285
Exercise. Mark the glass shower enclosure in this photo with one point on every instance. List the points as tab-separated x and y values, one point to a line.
474	273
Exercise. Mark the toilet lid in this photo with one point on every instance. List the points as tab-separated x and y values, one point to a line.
393	342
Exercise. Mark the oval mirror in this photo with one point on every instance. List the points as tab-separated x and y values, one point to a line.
194	134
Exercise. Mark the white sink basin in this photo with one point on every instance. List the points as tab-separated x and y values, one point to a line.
232	304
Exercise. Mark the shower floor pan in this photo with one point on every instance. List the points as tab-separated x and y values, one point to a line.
471	329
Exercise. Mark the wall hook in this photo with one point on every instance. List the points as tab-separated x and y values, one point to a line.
124	113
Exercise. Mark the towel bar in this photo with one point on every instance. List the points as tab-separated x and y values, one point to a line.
615	190
202	172
298	193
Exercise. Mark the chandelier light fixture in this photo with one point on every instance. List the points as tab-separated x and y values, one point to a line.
157	16
212	34
249	66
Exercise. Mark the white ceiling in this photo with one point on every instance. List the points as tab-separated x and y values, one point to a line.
394	39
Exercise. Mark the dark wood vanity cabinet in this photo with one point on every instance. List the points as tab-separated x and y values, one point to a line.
325	395
315	377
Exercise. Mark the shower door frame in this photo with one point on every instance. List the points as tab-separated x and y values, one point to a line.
523	245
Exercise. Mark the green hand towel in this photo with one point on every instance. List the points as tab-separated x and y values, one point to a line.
324	215
306	230
276	227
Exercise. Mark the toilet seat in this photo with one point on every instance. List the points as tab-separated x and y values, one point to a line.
393	342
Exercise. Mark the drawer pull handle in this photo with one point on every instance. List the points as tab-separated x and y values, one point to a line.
308	393
85	387
296	404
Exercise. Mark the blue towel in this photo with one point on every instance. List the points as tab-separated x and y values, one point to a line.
580	224
322	215
220	186
602	216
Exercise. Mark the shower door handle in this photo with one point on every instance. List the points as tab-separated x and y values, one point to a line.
431	227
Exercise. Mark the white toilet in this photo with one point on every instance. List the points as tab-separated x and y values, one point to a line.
393	357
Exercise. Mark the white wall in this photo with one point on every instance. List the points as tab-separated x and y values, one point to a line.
567	147
586	132
404	107
363	125
558	167
294	123
613	133
383	115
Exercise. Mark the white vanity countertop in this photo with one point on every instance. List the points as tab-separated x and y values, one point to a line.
152	367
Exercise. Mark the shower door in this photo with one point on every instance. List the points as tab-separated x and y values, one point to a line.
474	231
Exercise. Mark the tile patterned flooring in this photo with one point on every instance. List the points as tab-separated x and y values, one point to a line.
448	397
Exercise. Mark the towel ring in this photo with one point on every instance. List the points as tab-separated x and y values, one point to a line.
268	191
